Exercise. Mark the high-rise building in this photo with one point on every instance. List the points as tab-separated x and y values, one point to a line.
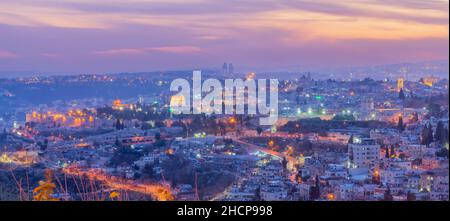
227	68
367	104
230	68
363	152
224	68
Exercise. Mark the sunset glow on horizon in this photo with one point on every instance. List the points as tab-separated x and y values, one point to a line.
82	36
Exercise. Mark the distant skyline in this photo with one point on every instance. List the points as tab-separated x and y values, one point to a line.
111	36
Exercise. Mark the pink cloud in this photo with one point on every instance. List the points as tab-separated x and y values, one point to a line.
7	54
145	50
50	55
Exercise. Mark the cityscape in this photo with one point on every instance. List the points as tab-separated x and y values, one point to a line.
367	124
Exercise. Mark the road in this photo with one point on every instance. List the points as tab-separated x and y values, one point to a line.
254	147
157	191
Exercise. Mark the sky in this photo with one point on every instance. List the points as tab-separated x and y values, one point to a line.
105	36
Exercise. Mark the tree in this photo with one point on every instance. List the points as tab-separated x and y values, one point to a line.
117	143
439	129
424	135
392	152
43	146
434	109
119	124
45	189
344	117
137	175
317	182
223	128
314	191
158	136
298	176
444	136
388	195
401	94
258	194
114	195
410	196
416	162
284	162
148	171
259	130
430	133
124	155
3	135
387	152
427	135
292	191
443	152
400	125
415	117
350	140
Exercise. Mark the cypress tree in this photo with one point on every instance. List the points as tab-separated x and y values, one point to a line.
430	134
427	135
401	94
438	132
401	126
350	140
444	136
392	153
388	195
118	126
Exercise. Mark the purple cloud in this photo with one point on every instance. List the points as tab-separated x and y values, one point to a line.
7	54
145	50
